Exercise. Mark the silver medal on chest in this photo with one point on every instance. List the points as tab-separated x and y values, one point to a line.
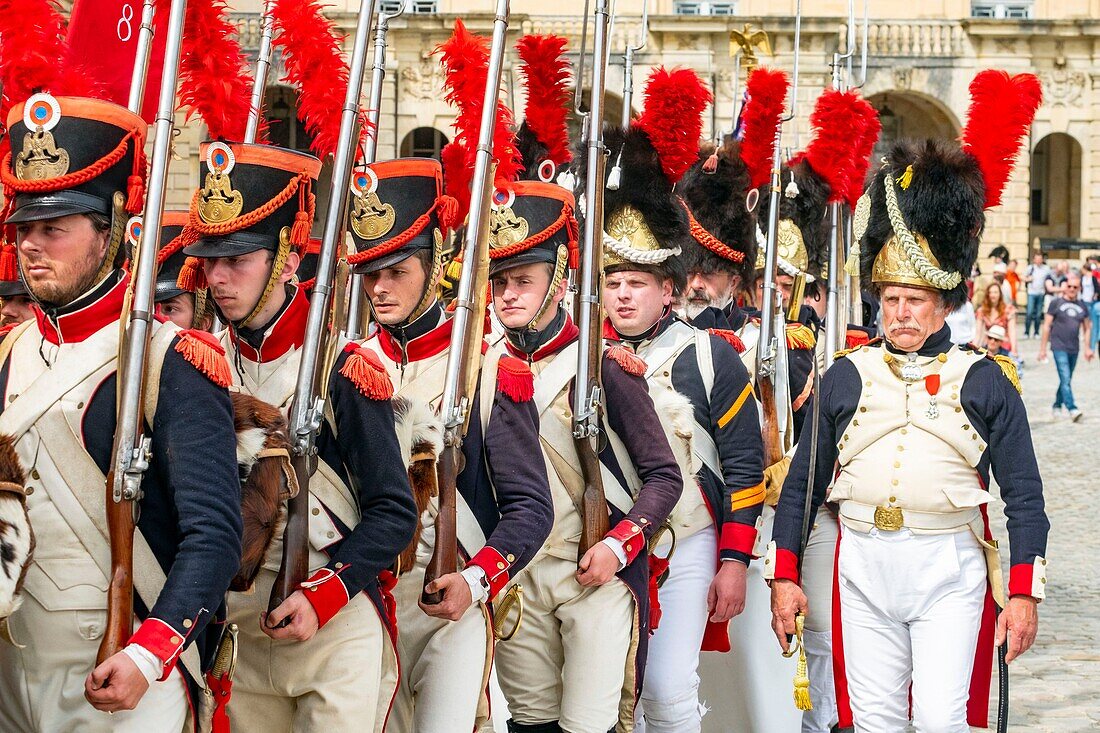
911	371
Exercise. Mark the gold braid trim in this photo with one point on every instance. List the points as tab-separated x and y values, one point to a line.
800	336
1008	366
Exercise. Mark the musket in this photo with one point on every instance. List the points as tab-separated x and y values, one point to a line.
353	326
308	403
628	64
835	316
259	83
468	331
131	449
852	283
767	351
588	390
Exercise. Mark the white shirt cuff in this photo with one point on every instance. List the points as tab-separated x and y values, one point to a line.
147	662
617	548
476	579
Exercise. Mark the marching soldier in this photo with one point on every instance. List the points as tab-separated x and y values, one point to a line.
915	426
16	304
76	169
702	393
324	656
578	664
446	648
185	308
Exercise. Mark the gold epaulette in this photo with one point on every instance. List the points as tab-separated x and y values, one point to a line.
1008	366
800	336
844	352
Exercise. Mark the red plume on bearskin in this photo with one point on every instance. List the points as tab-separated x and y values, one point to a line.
316	68
546	71
1002	108
33	33
673	118
862	152
767	96
837	121
465	59
214	81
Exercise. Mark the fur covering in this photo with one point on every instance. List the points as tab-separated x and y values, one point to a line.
266	482
945	202
16	533
808	210
717	200
420	435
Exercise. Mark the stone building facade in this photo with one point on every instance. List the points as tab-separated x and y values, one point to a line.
919	64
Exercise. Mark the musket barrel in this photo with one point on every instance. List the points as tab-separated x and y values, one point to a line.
259	84
465	307
766	351
128	459
141	58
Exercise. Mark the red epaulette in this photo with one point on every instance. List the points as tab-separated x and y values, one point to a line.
630	362
856	338
515	379
729	337
5	330
364	369
206	354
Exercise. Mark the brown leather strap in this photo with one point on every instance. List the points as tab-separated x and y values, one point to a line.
13	488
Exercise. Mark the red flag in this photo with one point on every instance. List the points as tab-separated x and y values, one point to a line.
103	39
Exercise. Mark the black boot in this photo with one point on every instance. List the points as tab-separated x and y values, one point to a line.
551	727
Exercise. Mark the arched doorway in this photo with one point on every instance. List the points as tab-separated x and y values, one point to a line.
906	115
423	142
1056	193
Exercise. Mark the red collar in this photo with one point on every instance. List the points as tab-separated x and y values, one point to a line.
286	333
74	327
566	336
423	347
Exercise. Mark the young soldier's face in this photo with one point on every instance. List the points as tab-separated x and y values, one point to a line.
237	283
518	294
60	257
395	292
179	309
910	315
635	300
709	290
15	309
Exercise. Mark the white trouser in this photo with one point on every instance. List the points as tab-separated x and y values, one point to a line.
670	692
911	608
42	685
568	660
444	665
817	582
319	685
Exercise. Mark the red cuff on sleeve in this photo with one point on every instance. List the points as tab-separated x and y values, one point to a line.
326	593
496	568
630	535
1021	580
738	537
162	640
786	565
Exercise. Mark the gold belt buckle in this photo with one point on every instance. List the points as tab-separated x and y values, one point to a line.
888	518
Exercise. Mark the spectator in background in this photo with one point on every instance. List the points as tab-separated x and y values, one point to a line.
995	340
996	311
1035	277
1056	280
1094	302
1000	276
1012	277
1067	319
961	323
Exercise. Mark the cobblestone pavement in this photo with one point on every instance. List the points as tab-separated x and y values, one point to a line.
1055	687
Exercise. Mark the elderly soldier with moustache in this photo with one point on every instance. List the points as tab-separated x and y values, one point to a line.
911	428
76	170
703	396
324	656
578	664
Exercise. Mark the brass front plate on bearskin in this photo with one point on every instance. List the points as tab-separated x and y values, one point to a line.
629	224
218	200
505	228
370	218
41	158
